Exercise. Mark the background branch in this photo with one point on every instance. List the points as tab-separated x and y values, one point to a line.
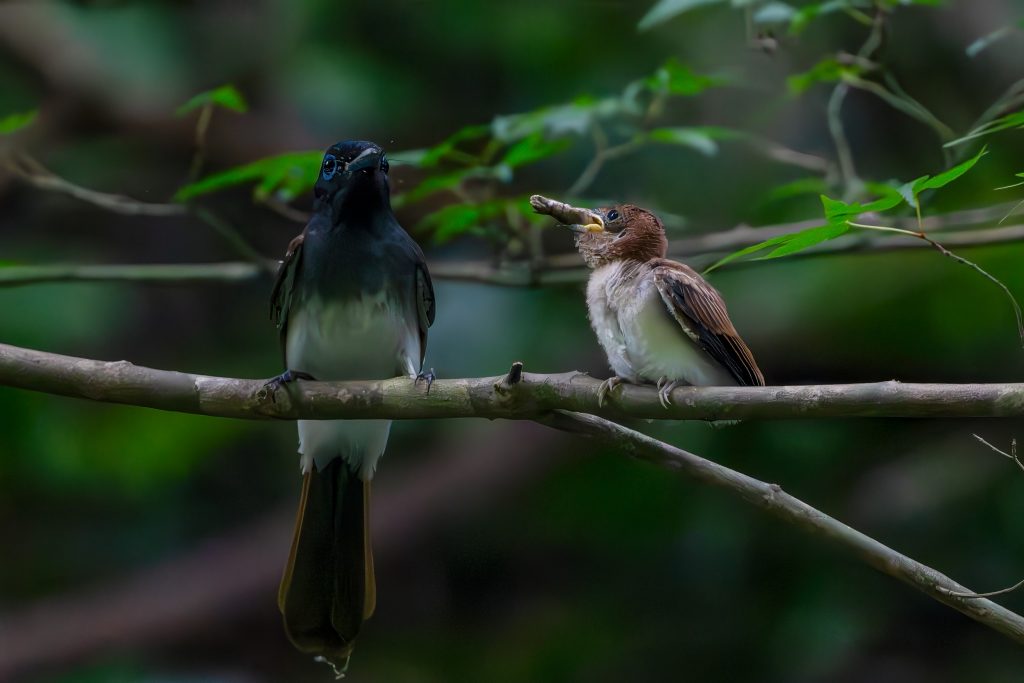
959	229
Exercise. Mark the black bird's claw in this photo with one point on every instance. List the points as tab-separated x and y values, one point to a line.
427	377
271	386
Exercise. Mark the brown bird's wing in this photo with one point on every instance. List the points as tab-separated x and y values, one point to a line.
284	285
700	311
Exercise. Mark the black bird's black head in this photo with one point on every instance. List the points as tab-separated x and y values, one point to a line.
353	177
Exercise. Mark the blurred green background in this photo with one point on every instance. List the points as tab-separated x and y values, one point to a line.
146	546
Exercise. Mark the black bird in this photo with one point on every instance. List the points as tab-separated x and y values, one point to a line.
353	300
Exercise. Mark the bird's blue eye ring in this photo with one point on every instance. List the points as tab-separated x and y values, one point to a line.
613	215
330	167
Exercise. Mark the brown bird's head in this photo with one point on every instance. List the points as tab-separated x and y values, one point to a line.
621	232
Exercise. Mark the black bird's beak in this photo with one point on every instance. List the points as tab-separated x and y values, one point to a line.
369	158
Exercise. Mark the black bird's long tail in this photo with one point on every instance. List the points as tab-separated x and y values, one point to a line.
328	587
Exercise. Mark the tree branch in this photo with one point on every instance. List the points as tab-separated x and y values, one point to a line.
554	400
174	273
560	268
487	397
772	499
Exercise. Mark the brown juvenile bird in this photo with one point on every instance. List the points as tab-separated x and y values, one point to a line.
658	320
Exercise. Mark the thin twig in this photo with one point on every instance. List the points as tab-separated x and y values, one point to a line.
847	171
35	174
202	125
908	106
968	595
852	184
232	236
1012	455
959	259
286	211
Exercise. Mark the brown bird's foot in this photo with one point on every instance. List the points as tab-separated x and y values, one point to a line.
271	386
427	377
665	392
606	388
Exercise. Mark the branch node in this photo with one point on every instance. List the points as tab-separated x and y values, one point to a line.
514	376
515	373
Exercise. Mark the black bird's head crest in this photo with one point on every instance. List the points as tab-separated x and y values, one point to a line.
353	172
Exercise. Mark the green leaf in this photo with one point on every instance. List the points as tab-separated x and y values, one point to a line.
1014	120
458	219
805	15
785	245
838	212
226	96
532	149
774	13
796	188
664	10
14	122
674	78
439	152
827	70
808	238
447	181
564	119
928	183
291	173
701	138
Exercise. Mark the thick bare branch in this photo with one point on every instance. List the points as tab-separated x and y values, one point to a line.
488	397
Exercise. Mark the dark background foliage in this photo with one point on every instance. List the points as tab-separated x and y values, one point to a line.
145	546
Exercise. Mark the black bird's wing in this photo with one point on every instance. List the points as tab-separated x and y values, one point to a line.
700	311
284	285
424	304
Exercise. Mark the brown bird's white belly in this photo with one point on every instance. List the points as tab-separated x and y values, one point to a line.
642	340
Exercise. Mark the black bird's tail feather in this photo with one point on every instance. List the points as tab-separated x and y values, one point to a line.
328	587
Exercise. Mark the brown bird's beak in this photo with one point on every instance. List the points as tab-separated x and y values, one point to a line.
577	219
595	226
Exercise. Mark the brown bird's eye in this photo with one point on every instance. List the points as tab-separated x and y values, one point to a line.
613	215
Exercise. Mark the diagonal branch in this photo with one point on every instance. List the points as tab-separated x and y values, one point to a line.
773	500
488	397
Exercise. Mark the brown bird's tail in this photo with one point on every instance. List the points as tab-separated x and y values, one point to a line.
328	587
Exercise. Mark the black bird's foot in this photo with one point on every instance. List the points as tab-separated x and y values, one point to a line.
271	386
606	388
427	377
